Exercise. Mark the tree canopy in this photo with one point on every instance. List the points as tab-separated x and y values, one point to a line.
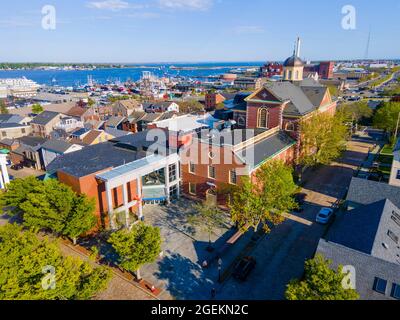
37	108
386	117
357	111
136	247
264	200
50	205
3	108
190	106
320	282
208	217
323	138
25	262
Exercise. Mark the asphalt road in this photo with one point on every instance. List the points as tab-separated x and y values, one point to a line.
281	254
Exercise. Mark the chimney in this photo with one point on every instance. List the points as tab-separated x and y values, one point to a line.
298	47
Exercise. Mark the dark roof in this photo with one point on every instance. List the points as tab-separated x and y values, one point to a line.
366	228
315	94
143	139
8	142
363	192
58	146
10	118
293	61
117	133
32	141
239	103
93	159
299	103
256	154
228	137
79	132
7	125
45	117
111	154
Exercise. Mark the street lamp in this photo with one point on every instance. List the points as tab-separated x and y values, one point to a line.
219	269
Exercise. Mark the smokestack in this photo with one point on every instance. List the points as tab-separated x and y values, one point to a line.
298	47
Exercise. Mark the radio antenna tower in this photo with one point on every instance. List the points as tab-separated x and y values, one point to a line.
368	44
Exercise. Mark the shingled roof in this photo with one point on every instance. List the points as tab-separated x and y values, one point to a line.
363	192
371	229
45	117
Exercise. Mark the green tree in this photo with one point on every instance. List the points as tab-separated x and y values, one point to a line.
357	111
23	259
3	108
91	102
16	193
81	218
48	206
264	200
37	108
320	282
208	218
323	138
333	90
190	106
136	247
386	117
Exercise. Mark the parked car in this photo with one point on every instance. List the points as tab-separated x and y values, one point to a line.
243	268
324	216
17	167
300	198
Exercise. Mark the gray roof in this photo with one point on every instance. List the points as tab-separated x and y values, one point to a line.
93	159
293	61
114	121
45	117
228	137
258	153
8	125
111	154
362	192
117	133
315	94
8	142
366	228
299	103
58	146
10	118
32	141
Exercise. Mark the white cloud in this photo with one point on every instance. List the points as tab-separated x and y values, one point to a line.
242	30
113	5
200	5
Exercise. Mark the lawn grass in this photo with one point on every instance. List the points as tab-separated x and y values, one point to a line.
385	170
387	150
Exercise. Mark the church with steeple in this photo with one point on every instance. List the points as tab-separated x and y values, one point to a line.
283	104
293	67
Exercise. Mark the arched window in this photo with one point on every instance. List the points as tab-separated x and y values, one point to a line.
241	121
263	118
290	75
297	75
290	126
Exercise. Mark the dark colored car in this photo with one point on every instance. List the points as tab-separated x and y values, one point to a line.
300	198
17	167
243	268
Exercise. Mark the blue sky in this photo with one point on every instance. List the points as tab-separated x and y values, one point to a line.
196	30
